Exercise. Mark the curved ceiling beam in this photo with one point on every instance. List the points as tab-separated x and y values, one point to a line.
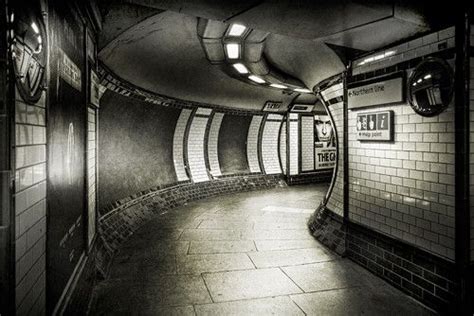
246	61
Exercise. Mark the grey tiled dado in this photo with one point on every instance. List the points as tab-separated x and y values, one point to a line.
206	259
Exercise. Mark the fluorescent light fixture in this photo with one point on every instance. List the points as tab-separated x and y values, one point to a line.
241	68
232	50
428	76
39	39
256	79
376	57
237	30
279	86
35	27
303	90
419	80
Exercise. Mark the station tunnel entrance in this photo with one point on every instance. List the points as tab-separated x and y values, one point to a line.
163	157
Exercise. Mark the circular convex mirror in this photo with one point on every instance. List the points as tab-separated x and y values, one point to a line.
28	49
430	87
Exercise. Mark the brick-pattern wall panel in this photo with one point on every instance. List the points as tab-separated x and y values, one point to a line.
307	143
252	144
30	206
335	201
120	223
270	154
405	188
196	158
293	135
283	147
212	144
91	171
178	145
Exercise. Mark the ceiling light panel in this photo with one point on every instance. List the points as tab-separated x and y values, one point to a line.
232	50
256	79
303	90
237	30
241	68
279	86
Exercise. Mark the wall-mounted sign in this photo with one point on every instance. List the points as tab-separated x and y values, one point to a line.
273	106
377	91
302	108
376	126
95	89
69	71
324	143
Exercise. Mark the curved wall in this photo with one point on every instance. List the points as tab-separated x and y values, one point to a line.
164	144
135	141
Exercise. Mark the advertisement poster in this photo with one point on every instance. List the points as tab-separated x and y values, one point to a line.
324	143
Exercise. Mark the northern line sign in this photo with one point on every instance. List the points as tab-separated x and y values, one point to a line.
377	91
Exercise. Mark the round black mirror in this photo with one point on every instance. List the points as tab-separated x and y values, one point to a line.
430	88
28	49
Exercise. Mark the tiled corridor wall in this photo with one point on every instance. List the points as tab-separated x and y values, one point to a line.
30	206
293	136
178	145
405	188
252	143
283	149
196	158
307	142
215	168
270	153
333	96
92	114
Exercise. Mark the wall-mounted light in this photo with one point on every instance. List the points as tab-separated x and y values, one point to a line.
232	50
241	68
376	57
35	28
302	90
279	86
237	30
256	79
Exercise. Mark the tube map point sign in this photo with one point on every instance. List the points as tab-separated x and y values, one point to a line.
377	126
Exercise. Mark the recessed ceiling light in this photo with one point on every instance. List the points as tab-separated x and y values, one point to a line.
241	68
232	50
237	30
256	79
303	90
279	86
35	27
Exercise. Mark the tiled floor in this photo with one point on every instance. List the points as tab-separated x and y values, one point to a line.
242	254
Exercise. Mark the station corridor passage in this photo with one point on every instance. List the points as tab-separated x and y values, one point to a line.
242	254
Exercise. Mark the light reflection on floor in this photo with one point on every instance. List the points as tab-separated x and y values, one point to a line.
242	254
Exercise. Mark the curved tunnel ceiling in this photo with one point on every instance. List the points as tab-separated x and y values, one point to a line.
163	54
161	51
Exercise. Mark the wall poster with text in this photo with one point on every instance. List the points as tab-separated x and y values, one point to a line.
324	143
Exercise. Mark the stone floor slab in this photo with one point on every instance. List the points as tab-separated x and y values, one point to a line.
356	301
210	234
281	258
196	264
232	246
281	305
238	285
269	245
